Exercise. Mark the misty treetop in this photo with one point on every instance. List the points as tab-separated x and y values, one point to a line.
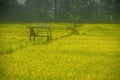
88	11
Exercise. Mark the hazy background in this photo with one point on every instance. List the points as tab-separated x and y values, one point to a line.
84	11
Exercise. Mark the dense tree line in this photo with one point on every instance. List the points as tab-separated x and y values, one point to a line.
84	11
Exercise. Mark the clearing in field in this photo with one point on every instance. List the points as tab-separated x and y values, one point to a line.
92	54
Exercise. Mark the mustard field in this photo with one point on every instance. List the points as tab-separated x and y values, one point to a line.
93	54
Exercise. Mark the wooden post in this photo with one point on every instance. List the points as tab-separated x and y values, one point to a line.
30	38
50	35
48	38
34	38
30	34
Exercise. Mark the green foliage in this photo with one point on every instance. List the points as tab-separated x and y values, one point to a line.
89	11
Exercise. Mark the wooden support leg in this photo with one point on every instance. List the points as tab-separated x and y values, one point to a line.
30	38
48	38
34	38
50	35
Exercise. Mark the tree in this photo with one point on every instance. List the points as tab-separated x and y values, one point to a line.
75	14
76	11
38	10
8	10
111	10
